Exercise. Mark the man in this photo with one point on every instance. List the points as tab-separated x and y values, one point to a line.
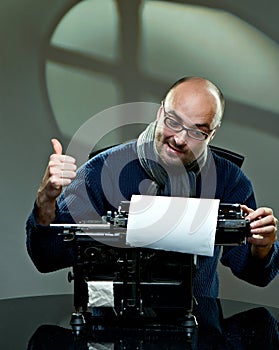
172	158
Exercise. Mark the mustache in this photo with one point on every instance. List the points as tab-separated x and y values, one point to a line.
176	146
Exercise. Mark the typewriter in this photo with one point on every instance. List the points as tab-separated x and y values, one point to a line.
150	287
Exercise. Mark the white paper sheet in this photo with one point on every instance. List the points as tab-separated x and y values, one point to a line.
100	293
186	225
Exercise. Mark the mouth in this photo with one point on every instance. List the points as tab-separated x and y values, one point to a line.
174	150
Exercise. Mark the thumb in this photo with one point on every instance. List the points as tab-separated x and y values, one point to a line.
57	147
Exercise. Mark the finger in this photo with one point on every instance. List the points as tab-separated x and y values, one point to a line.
246	210
263	221
262	239
57	182
264	233
57	147
62	173
260	213
68	165
264	230
62	162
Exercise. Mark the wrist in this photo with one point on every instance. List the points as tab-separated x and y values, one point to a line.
261	252
45	209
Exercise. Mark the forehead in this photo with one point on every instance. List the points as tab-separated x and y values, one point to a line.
192	102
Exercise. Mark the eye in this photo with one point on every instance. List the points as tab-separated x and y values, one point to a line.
172	123
198	135
196	132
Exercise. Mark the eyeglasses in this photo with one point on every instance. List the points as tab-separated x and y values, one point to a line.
177	127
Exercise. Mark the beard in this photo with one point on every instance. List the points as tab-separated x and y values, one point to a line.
172	154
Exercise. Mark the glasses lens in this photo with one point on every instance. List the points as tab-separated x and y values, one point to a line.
177	127
173	124
197	135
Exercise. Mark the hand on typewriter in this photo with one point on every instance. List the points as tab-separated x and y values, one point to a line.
263	225
61	170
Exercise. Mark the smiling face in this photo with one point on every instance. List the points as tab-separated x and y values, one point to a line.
194	104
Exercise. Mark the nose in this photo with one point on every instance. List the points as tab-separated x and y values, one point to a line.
181	138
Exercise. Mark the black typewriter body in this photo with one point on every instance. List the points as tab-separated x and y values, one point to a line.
147	284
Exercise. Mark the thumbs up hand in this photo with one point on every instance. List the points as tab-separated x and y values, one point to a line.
61	170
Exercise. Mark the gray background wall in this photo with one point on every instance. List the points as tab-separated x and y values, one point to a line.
56	74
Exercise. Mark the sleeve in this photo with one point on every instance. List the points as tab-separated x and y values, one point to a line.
259	272
46	248
238	189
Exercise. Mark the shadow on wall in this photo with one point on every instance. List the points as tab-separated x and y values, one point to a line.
79	58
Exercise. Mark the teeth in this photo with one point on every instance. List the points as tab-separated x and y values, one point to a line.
257	236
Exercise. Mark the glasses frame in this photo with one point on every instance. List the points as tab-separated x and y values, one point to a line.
168	116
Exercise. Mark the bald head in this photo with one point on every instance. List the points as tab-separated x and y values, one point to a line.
200	91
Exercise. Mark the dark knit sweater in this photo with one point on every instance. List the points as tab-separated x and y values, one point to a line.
116	175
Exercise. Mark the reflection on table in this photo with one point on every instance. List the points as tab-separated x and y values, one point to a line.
247	327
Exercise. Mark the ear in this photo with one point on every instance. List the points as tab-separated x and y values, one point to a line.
159	112
213	134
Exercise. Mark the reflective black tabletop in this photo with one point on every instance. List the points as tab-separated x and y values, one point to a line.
43	322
